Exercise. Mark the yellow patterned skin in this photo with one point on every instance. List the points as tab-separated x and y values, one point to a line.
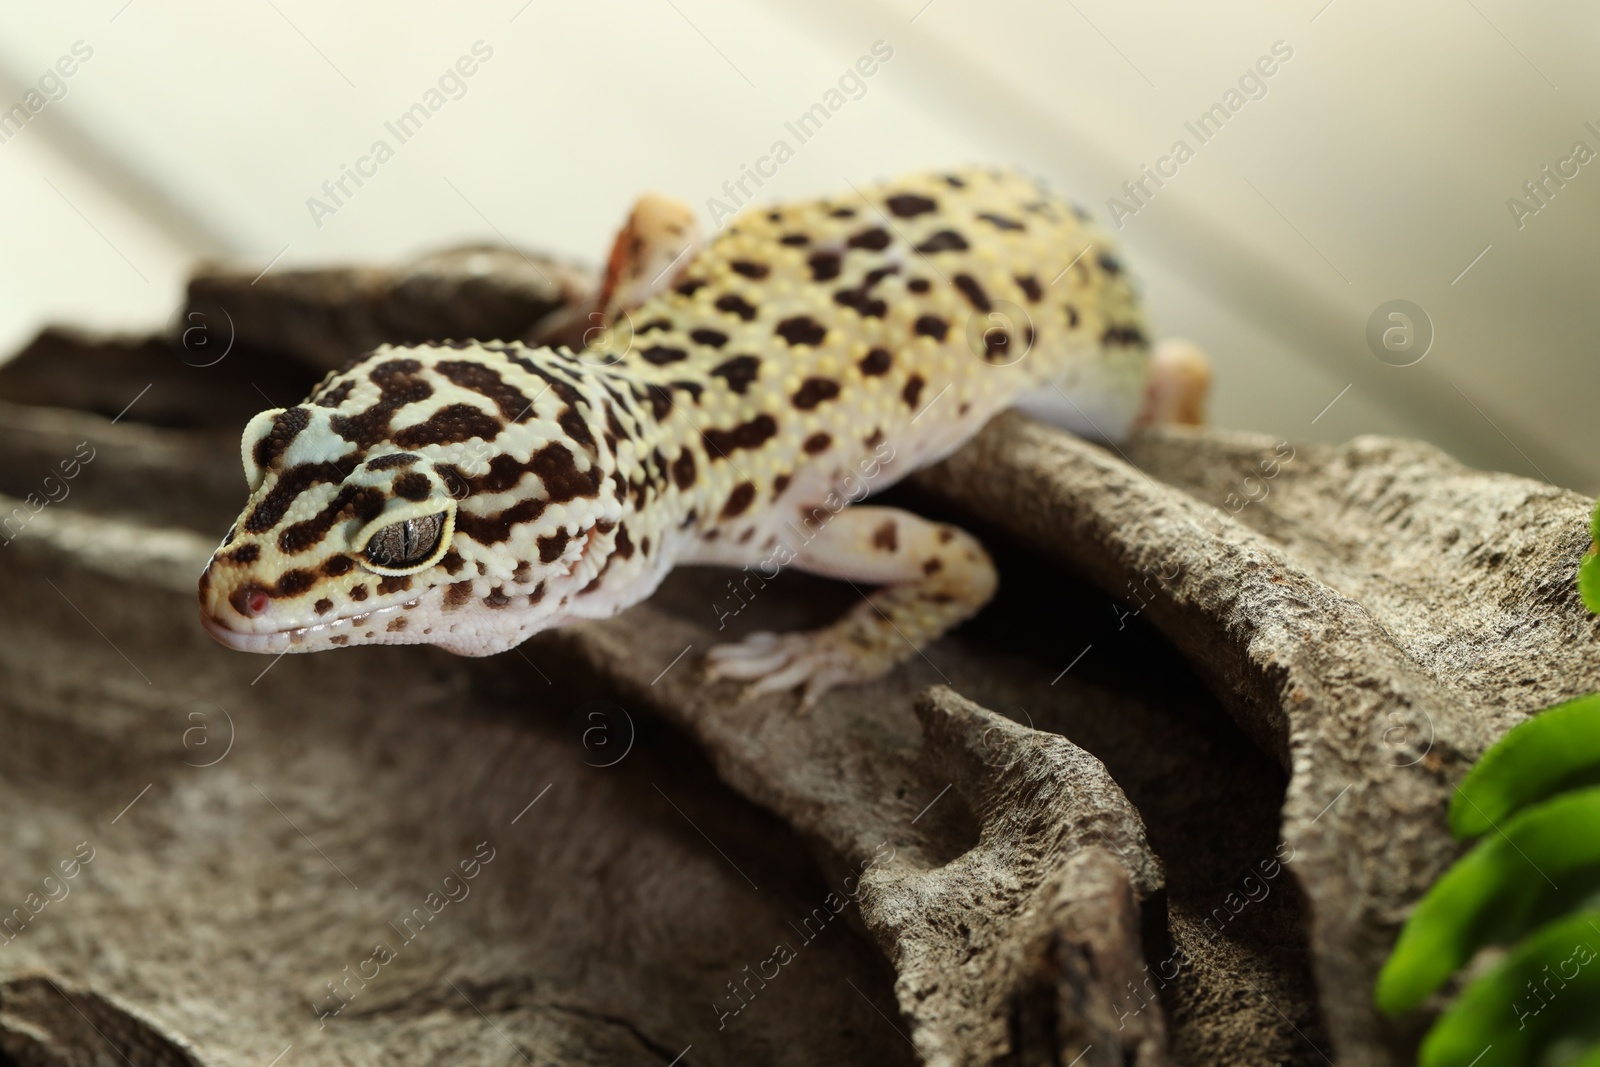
471	494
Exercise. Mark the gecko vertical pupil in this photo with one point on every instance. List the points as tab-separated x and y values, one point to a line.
406	543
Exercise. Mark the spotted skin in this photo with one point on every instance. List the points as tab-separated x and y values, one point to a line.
807	355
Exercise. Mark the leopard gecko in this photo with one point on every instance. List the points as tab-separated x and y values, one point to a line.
740	393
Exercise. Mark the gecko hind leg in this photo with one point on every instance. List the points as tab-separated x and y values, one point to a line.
931	577
1178	386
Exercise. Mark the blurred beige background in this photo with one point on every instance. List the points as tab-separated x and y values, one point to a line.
1376	162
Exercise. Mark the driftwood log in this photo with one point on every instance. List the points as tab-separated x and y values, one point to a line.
1165	802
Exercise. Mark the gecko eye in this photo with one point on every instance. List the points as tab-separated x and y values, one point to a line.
406	543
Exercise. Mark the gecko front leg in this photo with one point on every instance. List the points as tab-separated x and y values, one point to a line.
931	577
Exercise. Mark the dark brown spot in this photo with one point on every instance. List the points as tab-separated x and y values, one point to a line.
244	554
749	269
323	606
690	286
910	205
457	594
661	355
932	566
555	466
1109	264
1130	336
802	330
360	502
683	469
736	305
842	213
413	486
739	372
287	490
660	398
864	304
954	182
332	398
1000	222
932	326
295	583
451	562
394	583
817	442
396	625
886	538
552	545
943	241
653	325
398	385
341	639
1030	287
972	291
946	535
449	425
814	391
496	598
913	390
1072	317
714	338
794	240
876	362
623	543
286	426
753	434
563	481
514	407
739	499
824	266
694	389
392	460
779	484
874	240
996	343
572	423
918	285
875	439
358	593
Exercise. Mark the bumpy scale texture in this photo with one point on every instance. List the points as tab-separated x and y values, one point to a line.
809	354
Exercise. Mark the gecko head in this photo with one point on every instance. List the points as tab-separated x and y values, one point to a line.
401	506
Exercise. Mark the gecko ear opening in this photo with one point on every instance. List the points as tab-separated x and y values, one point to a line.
256	431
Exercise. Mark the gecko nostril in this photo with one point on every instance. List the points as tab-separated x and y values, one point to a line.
251	602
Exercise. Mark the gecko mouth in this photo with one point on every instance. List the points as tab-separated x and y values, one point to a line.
311	638
275	641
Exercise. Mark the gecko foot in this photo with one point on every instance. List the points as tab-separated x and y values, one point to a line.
815	659
930	577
